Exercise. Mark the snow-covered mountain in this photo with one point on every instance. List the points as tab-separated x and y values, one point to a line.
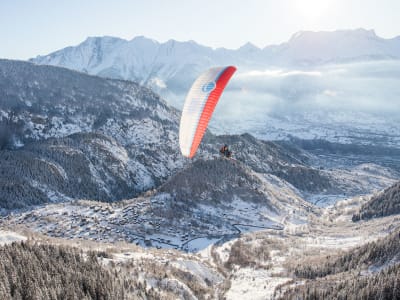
143	59
171	67
341	86
67	135
310	48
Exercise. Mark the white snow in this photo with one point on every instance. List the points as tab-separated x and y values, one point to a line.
198	269
248	283
200	243
132	255
7	237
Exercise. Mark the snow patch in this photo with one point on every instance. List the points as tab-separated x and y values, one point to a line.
7	237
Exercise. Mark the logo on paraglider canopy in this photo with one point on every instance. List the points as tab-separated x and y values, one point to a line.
208	87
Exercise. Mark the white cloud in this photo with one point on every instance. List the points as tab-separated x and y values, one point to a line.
278	73
364	86
158	82
330	93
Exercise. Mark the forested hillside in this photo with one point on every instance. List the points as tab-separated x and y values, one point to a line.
65	134
384	204
40	271
367	272
80	166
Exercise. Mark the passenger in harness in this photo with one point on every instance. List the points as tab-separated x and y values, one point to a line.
225	151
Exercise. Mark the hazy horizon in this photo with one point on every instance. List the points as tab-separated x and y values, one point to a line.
31	28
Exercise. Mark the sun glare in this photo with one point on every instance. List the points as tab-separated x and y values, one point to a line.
312	9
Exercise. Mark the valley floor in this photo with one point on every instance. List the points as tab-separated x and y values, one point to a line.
252	265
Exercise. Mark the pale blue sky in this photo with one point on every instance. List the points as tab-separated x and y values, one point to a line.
32	27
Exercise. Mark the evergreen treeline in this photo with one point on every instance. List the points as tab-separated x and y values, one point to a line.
248	254
214	181
382	285
346	280
374	253
39	271
384	204
64	166
10	128
304	178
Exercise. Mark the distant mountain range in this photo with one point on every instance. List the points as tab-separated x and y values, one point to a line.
172	66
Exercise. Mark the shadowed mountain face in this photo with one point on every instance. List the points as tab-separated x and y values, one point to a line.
80	166
215	181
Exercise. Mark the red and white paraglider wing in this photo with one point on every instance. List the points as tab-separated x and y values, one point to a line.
199	106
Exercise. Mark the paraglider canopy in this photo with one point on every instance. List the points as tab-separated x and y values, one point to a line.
199	105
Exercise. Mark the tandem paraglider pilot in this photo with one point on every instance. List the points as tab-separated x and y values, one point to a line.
225	151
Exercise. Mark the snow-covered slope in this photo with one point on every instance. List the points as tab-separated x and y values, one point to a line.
66	134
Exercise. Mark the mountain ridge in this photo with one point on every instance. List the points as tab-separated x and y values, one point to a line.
170	67
357	31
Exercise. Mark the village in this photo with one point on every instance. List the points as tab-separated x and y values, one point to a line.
140	221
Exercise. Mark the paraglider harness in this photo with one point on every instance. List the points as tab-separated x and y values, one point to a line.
225	151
